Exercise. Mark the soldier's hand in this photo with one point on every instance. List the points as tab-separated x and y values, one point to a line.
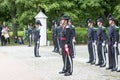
93	43
103	44
66	46
37	42
115	45
74	40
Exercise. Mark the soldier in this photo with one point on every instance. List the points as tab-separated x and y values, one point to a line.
73	38
113	38
30	34
59	29
91	42
66	35
0	32
101	41
37	38
54	36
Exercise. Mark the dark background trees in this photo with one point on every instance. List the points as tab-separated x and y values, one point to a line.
18	13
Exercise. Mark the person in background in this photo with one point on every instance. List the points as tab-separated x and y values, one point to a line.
30	34
7	35
37	38
73	38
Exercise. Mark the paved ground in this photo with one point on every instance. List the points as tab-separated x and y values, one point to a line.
19	63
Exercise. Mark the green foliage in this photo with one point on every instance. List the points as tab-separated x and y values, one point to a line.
23	12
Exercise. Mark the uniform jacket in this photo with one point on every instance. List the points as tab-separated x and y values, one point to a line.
101	34
36	34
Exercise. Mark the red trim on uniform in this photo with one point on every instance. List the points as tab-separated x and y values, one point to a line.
62	38
65	52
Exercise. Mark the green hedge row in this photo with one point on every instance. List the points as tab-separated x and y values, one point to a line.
81	36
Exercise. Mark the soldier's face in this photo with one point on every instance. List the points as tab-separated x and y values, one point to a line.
99	23
90	24
36	25
69	23
63	22
110	22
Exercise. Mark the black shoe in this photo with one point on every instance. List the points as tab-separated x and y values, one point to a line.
37	56
92	63
114	69
53	51
103	65
62	72
88	62
97	64
56	51
108	68
118	70
67	74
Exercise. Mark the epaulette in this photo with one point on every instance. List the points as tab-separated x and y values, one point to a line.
95	29
116	27
72	26
103	28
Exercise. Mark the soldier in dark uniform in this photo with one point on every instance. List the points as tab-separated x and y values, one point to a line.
66	35
91	42
37	38
54	36
30	34
101	41
0	33
113	38
73	38
59	29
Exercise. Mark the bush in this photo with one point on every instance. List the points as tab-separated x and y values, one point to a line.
81	36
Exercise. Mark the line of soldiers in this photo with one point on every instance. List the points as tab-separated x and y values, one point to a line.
99	37
63	38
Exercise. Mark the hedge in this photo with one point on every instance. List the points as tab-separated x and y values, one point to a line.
81	36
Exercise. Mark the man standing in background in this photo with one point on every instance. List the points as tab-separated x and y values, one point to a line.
37	38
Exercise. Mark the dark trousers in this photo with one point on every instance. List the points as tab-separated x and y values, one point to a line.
30	39
69	62
111	56
63	55
91	54
55	42
36	49
7	41
101	54
3	40
72	48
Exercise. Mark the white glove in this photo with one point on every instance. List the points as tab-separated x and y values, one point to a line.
66	49
74	40
37	42
115	45
30	36
103	44
94	43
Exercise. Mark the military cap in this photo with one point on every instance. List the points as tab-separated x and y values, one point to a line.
100	19
38	22
64	17
110	17
89	20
